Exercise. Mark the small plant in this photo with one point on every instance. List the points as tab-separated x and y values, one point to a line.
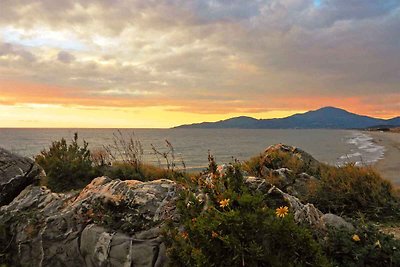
168	155
67	166
351	190
363	246
126	149
222	223
100	157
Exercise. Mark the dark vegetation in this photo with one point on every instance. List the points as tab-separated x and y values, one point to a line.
236	227
223	223
348	190
72	166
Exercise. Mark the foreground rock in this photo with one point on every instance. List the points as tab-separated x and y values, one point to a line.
16	173
295	181
109	223
118	223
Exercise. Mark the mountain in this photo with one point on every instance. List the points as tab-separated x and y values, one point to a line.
326	117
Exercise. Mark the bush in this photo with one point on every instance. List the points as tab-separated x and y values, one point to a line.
351	190
234	227
365	246
67	167
280	159
348	190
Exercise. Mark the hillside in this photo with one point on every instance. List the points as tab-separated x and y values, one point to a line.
326	117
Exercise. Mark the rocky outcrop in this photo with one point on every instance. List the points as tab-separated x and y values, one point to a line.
275	163
118	223
109	223
290	152
303	213
16	173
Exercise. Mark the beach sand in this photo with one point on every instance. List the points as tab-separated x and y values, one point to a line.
389	166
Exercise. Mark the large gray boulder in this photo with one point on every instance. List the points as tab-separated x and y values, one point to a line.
108	223
16	173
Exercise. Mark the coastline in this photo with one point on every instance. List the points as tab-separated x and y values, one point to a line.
389	166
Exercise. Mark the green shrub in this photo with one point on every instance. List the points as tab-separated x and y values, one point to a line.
280	159
351	190
348	190
234	227
365	246
67	166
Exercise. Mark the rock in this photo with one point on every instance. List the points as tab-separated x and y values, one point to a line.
302	184
276	161
282	177
332	220
308	213
311	164
108	223
303	213
16	173
257	184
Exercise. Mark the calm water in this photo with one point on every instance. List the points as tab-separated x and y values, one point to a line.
331	146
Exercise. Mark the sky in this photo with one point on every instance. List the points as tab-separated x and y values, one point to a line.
161	63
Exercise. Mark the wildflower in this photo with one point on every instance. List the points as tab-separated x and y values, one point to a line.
223	203
282	211
214	234
378	244
221	169
185	235
90	213
356	238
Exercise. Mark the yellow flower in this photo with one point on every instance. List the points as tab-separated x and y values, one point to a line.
223	203
356	238
185	235
282	211
214	234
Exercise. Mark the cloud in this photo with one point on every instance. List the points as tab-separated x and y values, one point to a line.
206	56
65	57
15	53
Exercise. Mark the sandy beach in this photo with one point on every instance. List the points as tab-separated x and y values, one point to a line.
389	166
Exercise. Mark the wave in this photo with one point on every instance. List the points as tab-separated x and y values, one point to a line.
364	150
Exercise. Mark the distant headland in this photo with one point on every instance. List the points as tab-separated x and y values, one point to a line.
323	118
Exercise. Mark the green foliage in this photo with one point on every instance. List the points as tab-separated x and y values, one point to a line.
348	190
373	248
234	227
254	166
280	159
351	190
67	166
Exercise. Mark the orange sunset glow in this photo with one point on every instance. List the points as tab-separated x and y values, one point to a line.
137	64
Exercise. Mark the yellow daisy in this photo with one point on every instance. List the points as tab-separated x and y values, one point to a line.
214	234
185	235
223	203
282	211
356	238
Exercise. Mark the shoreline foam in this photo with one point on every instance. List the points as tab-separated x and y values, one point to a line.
364	150
389	165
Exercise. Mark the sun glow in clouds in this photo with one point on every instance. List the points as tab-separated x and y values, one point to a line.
176	62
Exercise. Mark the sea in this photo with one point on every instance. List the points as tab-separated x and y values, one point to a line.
335	147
